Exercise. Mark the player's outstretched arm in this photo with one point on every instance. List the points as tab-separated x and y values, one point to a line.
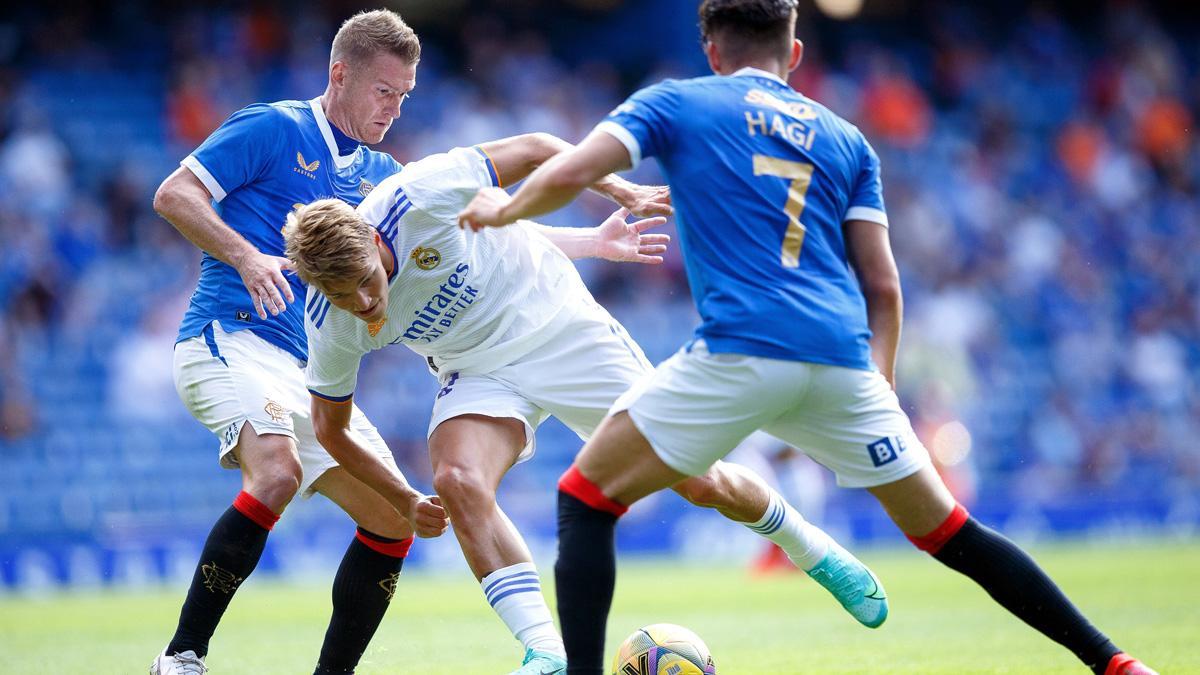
614	239
552	186
331	422
514	158
870	254
185	203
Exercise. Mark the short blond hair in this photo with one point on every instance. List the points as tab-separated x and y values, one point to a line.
367	34
327	242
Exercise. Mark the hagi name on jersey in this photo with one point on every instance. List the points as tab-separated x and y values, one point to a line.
794	130
438	315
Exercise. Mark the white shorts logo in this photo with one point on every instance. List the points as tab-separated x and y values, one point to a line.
883	451
231	433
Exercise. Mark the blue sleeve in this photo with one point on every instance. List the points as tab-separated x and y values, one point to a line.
866	197
239	151
644	123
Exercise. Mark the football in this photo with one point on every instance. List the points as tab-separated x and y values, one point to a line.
663	649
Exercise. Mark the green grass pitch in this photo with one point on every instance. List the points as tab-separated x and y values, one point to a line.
1146	596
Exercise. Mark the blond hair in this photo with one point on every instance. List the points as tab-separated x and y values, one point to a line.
366	34
327	242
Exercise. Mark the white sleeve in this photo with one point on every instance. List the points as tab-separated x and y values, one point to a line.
201	172
442	185
627	139
333	362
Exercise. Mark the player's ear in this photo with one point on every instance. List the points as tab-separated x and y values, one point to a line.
337	73
714	56
797	55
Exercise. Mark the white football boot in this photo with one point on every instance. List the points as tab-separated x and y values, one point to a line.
183	663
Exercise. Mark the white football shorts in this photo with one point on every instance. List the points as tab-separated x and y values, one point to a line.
228	379
697	406
574	376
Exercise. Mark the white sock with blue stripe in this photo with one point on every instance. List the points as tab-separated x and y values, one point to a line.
515	592
805	543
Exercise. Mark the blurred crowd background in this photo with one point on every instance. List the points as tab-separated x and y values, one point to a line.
1041	169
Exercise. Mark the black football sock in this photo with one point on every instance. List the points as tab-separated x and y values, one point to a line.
230	554
362	590
1015	580
585	573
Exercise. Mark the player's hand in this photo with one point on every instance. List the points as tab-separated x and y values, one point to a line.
263	276
428	516
620	241
485	209
645	201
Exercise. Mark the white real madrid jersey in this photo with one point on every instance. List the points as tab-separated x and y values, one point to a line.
470	302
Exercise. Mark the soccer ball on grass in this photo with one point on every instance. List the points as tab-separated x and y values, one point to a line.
663	649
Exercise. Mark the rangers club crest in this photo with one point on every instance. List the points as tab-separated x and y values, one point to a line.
388	584
276	411
217	580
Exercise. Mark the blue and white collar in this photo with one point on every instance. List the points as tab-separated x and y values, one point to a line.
750	71
339	160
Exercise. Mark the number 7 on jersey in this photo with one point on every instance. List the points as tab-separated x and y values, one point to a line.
801	175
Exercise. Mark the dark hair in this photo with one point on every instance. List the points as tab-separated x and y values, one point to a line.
745	27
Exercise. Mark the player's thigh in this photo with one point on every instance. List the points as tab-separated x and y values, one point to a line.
696	406
228	380
578	375
367	508
851	422
473	450
917	503
620	461
315	460
268	458
465	398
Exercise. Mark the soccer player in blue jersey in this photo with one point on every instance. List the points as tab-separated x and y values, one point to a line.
241	350
785	239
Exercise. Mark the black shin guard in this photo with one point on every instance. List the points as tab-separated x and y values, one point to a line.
1015	581
585	575
230	554
362	590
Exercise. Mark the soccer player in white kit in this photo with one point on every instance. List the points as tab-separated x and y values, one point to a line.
514	336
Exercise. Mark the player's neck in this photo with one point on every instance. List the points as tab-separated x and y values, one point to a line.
388	260
333	113
771	66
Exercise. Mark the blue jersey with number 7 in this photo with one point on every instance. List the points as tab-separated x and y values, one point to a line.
762	179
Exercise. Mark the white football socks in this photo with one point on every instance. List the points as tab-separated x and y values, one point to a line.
805	543
515	592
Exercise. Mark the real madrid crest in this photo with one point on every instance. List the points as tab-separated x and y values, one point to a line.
426	258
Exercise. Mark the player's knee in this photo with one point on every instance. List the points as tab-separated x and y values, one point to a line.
275	484
710	490
462	488
271	469
275	488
